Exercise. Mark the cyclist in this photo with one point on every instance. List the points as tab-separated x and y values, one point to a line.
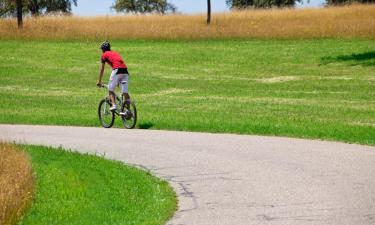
119	74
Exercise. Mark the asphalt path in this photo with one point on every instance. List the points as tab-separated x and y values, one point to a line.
235	179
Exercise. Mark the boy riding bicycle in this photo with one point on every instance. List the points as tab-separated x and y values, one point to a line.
119	75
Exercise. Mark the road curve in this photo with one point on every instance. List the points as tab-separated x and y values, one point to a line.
236	179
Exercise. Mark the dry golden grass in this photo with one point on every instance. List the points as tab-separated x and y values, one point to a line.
16	183
346	21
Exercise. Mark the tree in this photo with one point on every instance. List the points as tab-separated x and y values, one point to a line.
7	7
35	7
208	12
342	2
144	6
39	7
243	4
64	6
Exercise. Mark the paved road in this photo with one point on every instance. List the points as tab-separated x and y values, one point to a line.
236	179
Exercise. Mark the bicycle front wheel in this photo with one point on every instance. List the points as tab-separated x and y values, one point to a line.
106	117
129	119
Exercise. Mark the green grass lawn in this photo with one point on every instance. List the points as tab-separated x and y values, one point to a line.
84	189
318	88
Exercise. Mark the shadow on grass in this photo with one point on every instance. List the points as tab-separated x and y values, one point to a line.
364	59
146	125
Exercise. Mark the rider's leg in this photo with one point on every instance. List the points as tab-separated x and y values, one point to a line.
113	81
112	97
125	89
127	99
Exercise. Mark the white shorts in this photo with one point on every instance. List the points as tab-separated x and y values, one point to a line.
118	79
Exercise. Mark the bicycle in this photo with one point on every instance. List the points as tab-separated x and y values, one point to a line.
128	113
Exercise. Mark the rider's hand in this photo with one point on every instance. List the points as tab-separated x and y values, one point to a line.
99	84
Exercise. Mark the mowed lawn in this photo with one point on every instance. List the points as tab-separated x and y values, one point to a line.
73	188
318	88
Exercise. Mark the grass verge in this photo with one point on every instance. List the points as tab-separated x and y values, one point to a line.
72	188
16	184
318	88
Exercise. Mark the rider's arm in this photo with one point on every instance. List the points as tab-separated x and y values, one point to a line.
101	71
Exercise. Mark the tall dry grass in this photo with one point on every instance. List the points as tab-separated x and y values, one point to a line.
346	21
16	183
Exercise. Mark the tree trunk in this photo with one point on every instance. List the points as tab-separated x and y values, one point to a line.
19	14
208	12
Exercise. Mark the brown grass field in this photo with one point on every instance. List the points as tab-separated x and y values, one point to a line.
16	183
330	22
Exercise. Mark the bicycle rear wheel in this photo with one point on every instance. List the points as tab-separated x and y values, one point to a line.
129	119
106	117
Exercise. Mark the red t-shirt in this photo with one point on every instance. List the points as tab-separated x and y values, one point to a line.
114	59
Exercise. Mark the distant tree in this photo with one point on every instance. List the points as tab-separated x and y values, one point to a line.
144	6
243	4
39	7
64	6
7	7
342	2
36	7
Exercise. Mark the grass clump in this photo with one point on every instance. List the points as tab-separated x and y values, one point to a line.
72	188
16	184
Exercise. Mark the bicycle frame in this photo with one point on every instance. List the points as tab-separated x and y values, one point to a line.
117	98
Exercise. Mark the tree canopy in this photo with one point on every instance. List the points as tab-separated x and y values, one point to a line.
37	7
341	2
144	6
243	4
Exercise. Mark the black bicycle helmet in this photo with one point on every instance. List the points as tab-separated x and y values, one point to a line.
105	46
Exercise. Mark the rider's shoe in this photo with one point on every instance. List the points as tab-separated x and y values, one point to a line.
113	108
